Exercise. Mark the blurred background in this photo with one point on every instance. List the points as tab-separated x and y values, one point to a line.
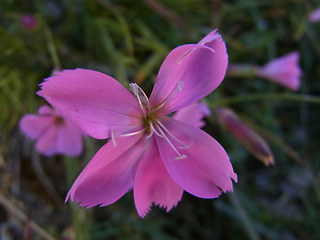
129	40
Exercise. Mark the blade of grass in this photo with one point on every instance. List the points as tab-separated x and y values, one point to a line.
245	219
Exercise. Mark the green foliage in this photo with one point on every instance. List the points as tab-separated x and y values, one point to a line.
129	40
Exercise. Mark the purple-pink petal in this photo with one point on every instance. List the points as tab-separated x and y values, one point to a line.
206	170
54	133
47	143
189	73
110	174
153	184
208	40
69	139
45	110
94	101
34	126
193	114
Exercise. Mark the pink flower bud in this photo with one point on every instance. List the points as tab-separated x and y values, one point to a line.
284	70
253	142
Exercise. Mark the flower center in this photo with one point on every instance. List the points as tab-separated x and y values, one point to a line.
58	120
151	122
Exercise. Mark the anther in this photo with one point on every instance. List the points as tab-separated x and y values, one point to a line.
180	157
113	138
180	85
134	88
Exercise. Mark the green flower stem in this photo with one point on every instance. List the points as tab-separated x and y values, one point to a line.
80	216
241	70
266	97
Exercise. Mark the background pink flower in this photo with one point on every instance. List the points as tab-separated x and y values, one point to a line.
314	16
28	21
154	154
284	70
53	133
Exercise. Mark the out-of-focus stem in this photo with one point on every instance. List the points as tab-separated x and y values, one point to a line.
166	13
244	217
52	48
267	96
241	70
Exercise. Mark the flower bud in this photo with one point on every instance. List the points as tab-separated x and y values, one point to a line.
253	142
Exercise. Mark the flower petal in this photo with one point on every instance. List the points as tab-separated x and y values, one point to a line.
47	143
94	101
45	110
153	184
34	126
69	139
206	169
110	173
193	114
189	73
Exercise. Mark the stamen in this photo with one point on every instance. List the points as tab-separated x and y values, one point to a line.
180	85
135	90
171	135
180	156
199	45
178	88
113	137
132	134
153	130
184	146
183	57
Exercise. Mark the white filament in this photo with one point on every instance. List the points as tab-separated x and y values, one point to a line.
135	90
154	125
163	135
177	89
113	137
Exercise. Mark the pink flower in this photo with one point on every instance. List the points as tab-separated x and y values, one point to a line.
284	70
28	21
54	133
314	16
154	154
253	142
